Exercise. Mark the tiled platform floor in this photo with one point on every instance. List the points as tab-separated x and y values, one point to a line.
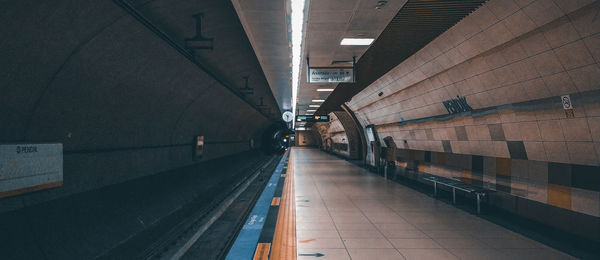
345	212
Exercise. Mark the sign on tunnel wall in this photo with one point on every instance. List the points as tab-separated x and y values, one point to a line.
30	167
457	105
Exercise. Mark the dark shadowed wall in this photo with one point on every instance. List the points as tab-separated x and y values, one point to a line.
124	103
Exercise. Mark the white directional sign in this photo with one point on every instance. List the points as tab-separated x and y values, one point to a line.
330	75
30	167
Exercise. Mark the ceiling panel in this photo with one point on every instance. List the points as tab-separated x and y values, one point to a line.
328	22
329	16
263	17
333	4
328	39
316	27
415	25
262	5
266	24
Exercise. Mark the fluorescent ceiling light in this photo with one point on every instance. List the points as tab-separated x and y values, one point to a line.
357	41
300	129
311	110
324	89
318	100
313	106
297	32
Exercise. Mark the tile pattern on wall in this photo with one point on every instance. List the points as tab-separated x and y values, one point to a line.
534	130
516	67
568	186
504	53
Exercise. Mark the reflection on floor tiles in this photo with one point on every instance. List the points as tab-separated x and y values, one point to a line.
414	243
367	243
372	254
345	212
427	254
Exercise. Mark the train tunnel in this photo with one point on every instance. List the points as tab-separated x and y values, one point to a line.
300	129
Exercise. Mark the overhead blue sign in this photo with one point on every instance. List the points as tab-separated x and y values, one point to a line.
312	118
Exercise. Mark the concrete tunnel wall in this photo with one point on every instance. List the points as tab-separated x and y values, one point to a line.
512	61
123	102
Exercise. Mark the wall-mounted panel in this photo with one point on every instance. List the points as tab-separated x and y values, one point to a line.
30	167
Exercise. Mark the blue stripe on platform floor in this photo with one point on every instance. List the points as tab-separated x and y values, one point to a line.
245	243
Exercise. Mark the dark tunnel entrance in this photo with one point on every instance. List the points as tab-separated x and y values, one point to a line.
277	138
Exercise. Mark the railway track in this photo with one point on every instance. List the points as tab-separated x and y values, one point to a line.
173	236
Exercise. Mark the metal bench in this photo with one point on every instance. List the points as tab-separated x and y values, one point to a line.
457	185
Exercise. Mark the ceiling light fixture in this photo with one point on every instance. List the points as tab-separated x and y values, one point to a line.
313	106
318	100
324	89
297	31
311	110
380	4
357	41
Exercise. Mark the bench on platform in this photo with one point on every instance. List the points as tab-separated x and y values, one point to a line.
479	192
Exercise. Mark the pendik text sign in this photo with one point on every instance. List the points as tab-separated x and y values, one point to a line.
30	167
457	105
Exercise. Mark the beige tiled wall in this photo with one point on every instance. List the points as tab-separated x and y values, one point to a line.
335	124
505	52
545	138
566	186
333	130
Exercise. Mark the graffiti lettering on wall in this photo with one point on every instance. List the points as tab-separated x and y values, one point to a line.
457	105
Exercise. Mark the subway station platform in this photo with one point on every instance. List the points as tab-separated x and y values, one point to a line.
299	129
345	212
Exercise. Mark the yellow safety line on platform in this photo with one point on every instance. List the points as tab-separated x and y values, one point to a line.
262	251
306	240
275	201
284	241
30	189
